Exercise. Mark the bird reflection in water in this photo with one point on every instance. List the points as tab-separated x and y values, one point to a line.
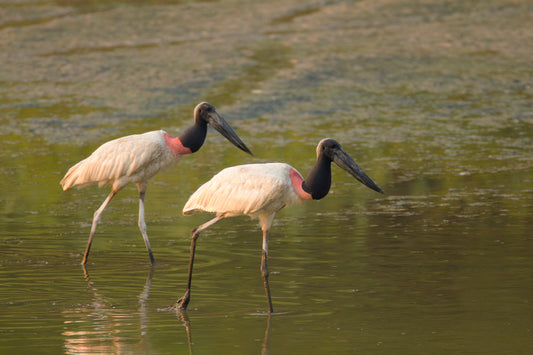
183	317
99	327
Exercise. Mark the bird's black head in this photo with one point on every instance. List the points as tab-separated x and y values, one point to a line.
327	147
332	150
194	136
205	113
318	180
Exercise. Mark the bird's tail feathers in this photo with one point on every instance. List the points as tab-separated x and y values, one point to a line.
77	176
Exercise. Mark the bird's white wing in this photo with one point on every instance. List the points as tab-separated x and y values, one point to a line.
131	159
252	189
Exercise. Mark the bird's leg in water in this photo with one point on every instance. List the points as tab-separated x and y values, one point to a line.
183	301
264	269
96	219
142	224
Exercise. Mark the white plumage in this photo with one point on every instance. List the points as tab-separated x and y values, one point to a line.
131	159
253	190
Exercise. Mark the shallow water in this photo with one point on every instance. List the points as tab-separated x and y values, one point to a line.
433	99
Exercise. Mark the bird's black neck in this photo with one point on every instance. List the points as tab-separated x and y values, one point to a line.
318	181
194	136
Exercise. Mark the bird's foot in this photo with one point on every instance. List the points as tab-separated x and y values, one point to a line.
182	303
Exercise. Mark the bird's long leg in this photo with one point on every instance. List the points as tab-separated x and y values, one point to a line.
183	302
142	224
96	219
264	269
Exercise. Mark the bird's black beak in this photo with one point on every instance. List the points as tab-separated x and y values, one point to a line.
219	123
343	160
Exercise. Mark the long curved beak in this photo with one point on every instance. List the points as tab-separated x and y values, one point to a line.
343	160
219	123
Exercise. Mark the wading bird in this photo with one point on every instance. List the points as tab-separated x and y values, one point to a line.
261	190
139	157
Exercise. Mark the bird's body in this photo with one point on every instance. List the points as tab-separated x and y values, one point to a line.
261	190
131	159
139	157
253	190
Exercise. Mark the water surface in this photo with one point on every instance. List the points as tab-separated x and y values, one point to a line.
433	99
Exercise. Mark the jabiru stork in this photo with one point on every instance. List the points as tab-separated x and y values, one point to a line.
261	190
139	157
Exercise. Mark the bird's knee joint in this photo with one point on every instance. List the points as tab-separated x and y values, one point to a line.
264	271
195	234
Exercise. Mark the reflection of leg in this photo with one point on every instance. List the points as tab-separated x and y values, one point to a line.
264	269
143	309
265	349
183	302
142	224
96	219
184	317
143	297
